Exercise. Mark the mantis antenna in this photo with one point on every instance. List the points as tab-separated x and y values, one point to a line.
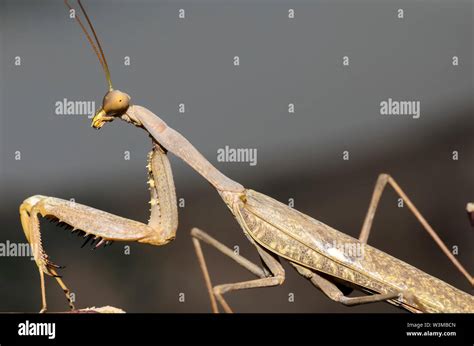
101	55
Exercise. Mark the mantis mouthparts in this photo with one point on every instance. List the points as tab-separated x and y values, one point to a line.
100	118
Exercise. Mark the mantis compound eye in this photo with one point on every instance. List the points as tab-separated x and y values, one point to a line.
115	104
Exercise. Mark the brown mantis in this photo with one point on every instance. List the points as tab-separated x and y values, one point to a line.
275	229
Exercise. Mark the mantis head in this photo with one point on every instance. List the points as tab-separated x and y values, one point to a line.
115	103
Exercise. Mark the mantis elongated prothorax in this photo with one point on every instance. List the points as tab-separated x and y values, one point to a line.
117	104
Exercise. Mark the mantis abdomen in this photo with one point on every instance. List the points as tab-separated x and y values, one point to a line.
312	244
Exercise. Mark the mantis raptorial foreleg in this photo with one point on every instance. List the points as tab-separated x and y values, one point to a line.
276	270
380	185
102	227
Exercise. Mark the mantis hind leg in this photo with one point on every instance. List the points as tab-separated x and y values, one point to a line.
332	291
380	185
94	224
277	273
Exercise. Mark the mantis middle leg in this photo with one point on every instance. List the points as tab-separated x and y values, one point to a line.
274	277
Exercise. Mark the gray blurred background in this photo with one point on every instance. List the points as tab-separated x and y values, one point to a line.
282	61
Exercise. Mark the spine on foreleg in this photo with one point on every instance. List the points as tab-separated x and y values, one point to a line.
163	205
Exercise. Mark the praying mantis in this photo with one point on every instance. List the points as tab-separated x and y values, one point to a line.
276	230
